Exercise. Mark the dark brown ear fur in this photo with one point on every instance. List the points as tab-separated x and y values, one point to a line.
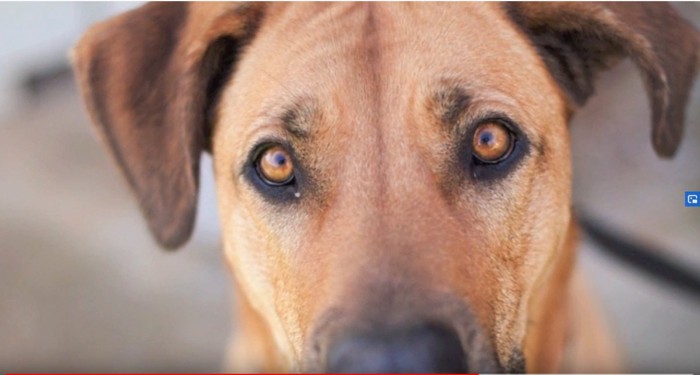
149	78
577	40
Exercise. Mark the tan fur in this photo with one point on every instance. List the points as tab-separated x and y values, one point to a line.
435	231
389	229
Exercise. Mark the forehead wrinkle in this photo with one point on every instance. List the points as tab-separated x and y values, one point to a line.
457	106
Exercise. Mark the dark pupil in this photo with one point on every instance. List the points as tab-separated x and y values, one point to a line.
486	138
280	159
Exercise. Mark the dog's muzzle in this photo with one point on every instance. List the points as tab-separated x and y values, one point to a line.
422	348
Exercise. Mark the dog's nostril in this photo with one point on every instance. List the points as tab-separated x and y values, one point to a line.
418	349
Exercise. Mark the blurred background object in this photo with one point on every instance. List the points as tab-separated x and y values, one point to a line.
83	287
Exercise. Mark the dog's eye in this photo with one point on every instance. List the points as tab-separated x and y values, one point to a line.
492	142
275	166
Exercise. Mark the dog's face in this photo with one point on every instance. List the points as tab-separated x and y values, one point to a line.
394	180
415	171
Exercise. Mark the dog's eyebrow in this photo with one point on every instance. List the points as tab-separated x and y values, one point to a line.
450	103
298	118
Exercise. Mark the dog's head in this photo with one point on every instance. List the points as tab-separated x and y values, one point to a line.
394	180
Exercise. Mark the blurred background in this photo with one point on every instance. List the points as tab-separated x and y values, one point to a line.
83	287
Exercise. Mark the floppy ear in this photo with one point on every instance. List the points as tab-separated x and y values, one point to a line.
577	40
149	78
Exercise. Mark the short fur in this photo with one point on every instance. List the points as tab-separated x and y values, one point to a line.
376	101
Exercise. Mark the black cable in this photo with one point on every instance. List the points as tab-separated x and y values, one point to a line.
641	256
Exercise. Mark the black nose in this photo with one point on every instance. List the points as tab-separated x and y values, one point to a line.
426	348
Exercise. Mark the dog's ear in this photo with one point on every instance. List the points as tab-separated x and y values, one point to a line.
577	40
149	78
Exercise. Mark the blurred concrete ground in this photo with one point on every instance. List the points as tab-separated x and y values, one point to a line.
82	284
619	179
84	288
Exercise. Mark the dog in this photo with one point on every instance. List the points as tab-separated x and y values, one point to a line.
393	179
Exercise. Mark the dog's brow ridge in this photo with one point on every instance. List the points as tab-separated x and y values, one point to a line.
451	103
298	118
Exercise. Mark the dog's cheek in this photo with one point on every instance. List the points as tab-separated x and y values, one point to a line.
551	251
529	215
495	213
260	251
251	248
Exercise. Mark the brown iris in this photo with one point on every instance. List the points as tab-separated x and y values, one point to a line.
492	142
275	165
